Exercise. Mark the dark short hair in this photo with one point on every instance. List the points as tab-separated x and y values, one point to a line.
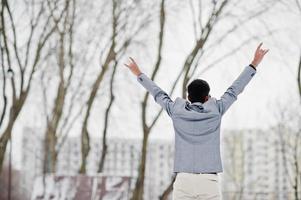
198	89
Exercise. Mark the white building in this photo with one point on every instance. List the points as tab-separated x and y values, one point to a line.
252	161
254	168
122	159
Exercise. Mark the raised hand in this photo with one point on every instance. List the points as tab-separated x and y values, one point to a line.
259	54
132	65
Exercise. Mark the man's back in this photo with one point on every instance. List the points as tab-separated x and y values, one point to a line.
197	125
197	128
195	122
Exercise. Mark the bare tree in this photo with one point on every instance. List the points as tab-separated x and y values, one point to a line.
27	60
289	135
125	26
106	120
65	61
139	186
85	139
298	6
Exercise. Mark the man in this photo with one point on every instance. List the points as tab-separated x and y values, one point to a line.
197	130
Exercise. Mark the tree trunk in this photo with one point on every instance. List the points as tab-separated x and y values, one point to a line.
50	155
3	143
105	130
299	78
168	190
139	187
85	148
13	115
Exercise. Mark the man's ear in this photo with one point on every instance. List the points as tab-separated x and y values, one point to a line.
207	98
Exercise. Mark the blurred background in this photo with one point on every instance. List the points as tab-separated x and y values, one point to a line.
76	124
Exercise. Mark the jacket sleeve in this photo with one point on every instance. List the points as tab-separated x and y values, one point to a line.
235	89
160	96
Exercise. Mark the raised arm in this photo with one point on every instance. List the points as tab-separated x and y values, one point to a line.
160	96
243	79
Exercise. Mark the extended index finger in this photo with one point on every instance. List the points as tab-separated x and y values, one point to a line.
132	60
259	46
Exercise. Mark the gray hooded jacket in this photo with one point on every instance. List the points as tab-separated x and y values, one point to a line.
197	125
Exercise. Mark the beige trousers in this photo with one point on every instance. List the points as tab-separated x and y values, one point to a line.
188	186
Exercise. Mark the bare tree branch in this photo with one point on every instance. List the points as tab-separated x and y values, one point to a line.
19	99
299	77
